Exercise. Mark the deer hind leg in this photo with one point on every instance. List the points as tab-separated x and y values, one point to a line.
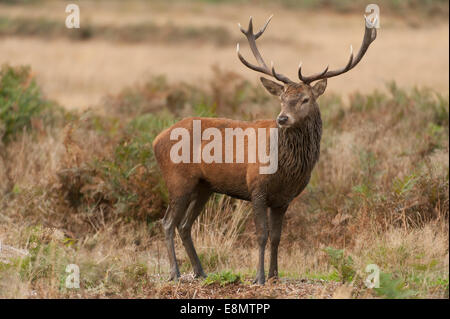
174	214
275	224
198	201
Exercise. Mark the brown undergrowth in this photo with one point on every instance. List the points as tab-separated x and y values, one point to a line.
83	188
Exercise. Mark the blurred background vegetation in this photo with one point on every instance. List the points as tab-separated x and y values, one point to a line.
79	183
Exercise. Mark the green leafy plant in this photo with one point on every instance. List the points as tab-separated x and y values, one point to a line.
133	182
205	110
223	278
21	103
402	186
343	264
393	288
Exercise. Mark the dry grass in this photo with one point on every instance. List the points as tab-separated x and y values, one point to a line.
85	191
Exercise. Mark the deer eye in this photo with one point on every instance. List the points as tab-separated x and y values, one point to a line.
305	100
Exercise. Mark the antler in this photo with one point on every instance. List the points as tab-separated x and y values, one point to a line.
252	42
370	35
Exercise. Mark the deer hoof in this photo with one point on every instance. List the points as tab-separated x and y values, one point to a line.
259	280
273	279
200	274
174	276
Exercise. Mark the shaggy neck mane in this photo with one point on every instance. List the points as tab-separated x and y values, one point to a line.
299	147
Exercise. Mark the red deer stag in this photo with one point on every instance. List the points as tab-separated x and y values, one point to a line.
190	182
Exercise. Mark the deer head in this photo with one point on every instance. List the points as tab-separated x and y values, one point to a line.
298	100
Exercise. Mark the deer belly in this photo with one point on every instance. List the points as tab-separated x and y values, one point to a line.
228	179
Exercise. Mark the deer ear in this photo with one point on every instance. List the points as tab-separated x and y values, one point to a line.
319	88
271	86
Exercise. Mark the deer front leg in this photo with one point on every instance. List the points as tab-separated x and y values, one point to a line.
262	233
275	223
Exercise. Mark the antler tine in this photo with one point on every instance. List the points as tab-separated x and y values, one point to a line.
279	77
257	35
350	60
370	35
252	66
307	79
250	26
262	66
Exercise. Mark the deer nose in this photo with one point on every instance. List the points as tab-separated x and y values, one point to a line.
282	119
